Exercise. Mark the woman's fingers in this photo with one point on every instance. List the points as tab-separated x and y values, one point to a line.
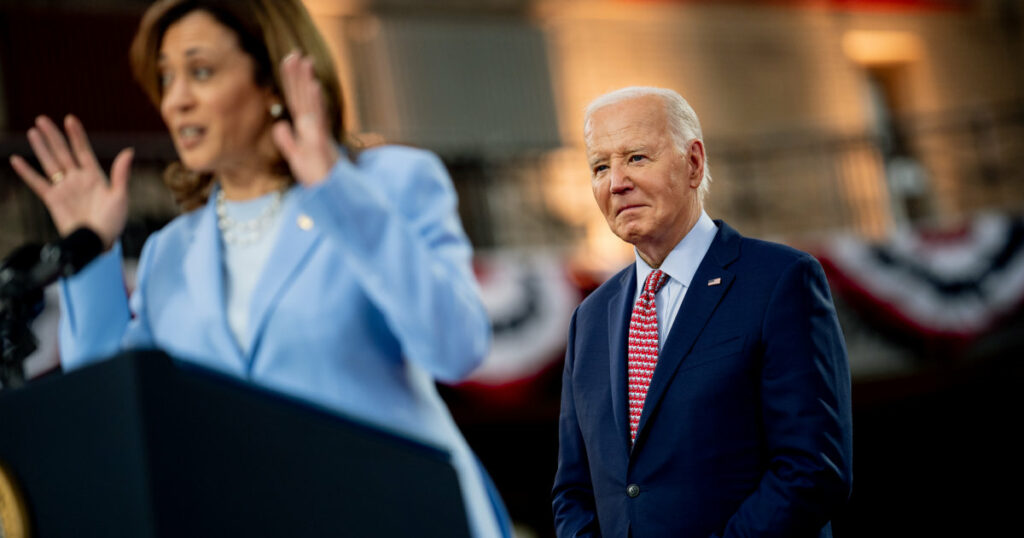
311	89
86	198
285	140
307	84
57	144
288	81
305	141
301	88
121	170
80	143
39	184
42	151
307	116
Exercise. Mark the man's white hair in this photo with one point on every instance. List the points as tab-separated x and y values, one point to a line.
682	120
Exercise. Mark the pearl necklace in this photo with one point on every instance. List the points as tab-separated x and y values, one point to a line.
250	231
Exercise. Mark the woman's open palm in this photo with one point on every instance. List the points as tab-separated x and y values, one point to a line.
306	143
74	189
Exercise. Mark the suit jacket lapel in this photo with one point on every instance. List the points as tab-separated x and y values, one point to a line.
620	308
292	246
699	303
204	279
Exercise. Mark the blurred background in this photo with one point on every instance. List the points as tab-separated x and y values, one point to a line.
886	137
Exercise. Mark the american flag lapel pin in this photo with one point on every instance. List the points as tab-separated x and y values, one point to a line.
715	281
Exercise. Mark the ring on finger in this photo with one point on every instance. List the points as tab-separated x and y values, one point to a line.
57	177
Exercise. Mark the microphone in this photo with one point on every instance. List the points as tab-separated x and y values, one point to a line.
23	275
25	271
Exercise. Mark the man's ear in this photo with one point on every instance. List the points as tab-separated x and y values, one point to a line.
695	158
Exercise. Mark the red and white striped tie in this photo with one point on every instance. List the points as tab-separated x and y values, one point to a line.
643	347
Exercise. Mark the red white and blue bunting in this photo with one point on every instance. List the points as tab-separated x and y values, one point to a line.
954	283
530	298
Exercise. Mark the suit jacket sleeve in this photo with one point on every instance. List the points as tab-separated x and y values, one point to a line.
805	396
573	495
395	220
96	321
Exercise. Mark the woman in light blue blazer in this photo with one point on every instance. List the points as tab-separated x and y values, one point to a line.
338	276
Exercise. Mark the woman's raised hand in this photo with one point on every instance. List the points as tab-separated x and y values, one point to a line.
307	143
75	189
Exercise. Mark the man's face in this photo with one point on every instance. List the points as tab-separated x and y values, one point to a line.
645	186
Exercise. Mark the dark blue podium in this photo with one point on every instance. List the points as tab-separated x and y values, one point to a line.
143	446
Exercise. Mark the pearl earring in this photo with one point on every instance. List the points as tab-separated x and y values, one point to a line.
276	110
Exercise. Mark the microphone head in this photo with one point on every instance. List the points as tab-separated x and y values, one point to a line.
21	258
31	268
75	251
15	275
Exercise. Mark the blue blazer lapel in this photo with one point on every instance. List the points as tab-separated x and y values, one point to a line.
291	248
620	308
204	279
699	303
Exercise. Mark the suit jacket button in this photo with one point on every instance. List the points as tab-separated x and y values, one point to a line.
633	491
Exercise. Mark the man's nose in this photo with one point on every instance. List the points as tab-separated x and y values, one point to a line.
620	181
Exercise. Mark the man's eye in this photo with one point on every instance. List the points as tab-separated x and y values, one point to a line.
600	168
636	158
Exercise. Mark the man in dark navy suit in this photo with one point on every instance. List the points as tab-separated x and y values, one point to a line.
706	390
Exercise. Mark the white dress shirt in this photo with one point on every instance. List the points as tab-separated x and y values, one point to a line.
680	265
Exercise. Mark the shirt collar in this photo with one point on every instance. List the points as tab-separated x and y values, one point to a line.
682	262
